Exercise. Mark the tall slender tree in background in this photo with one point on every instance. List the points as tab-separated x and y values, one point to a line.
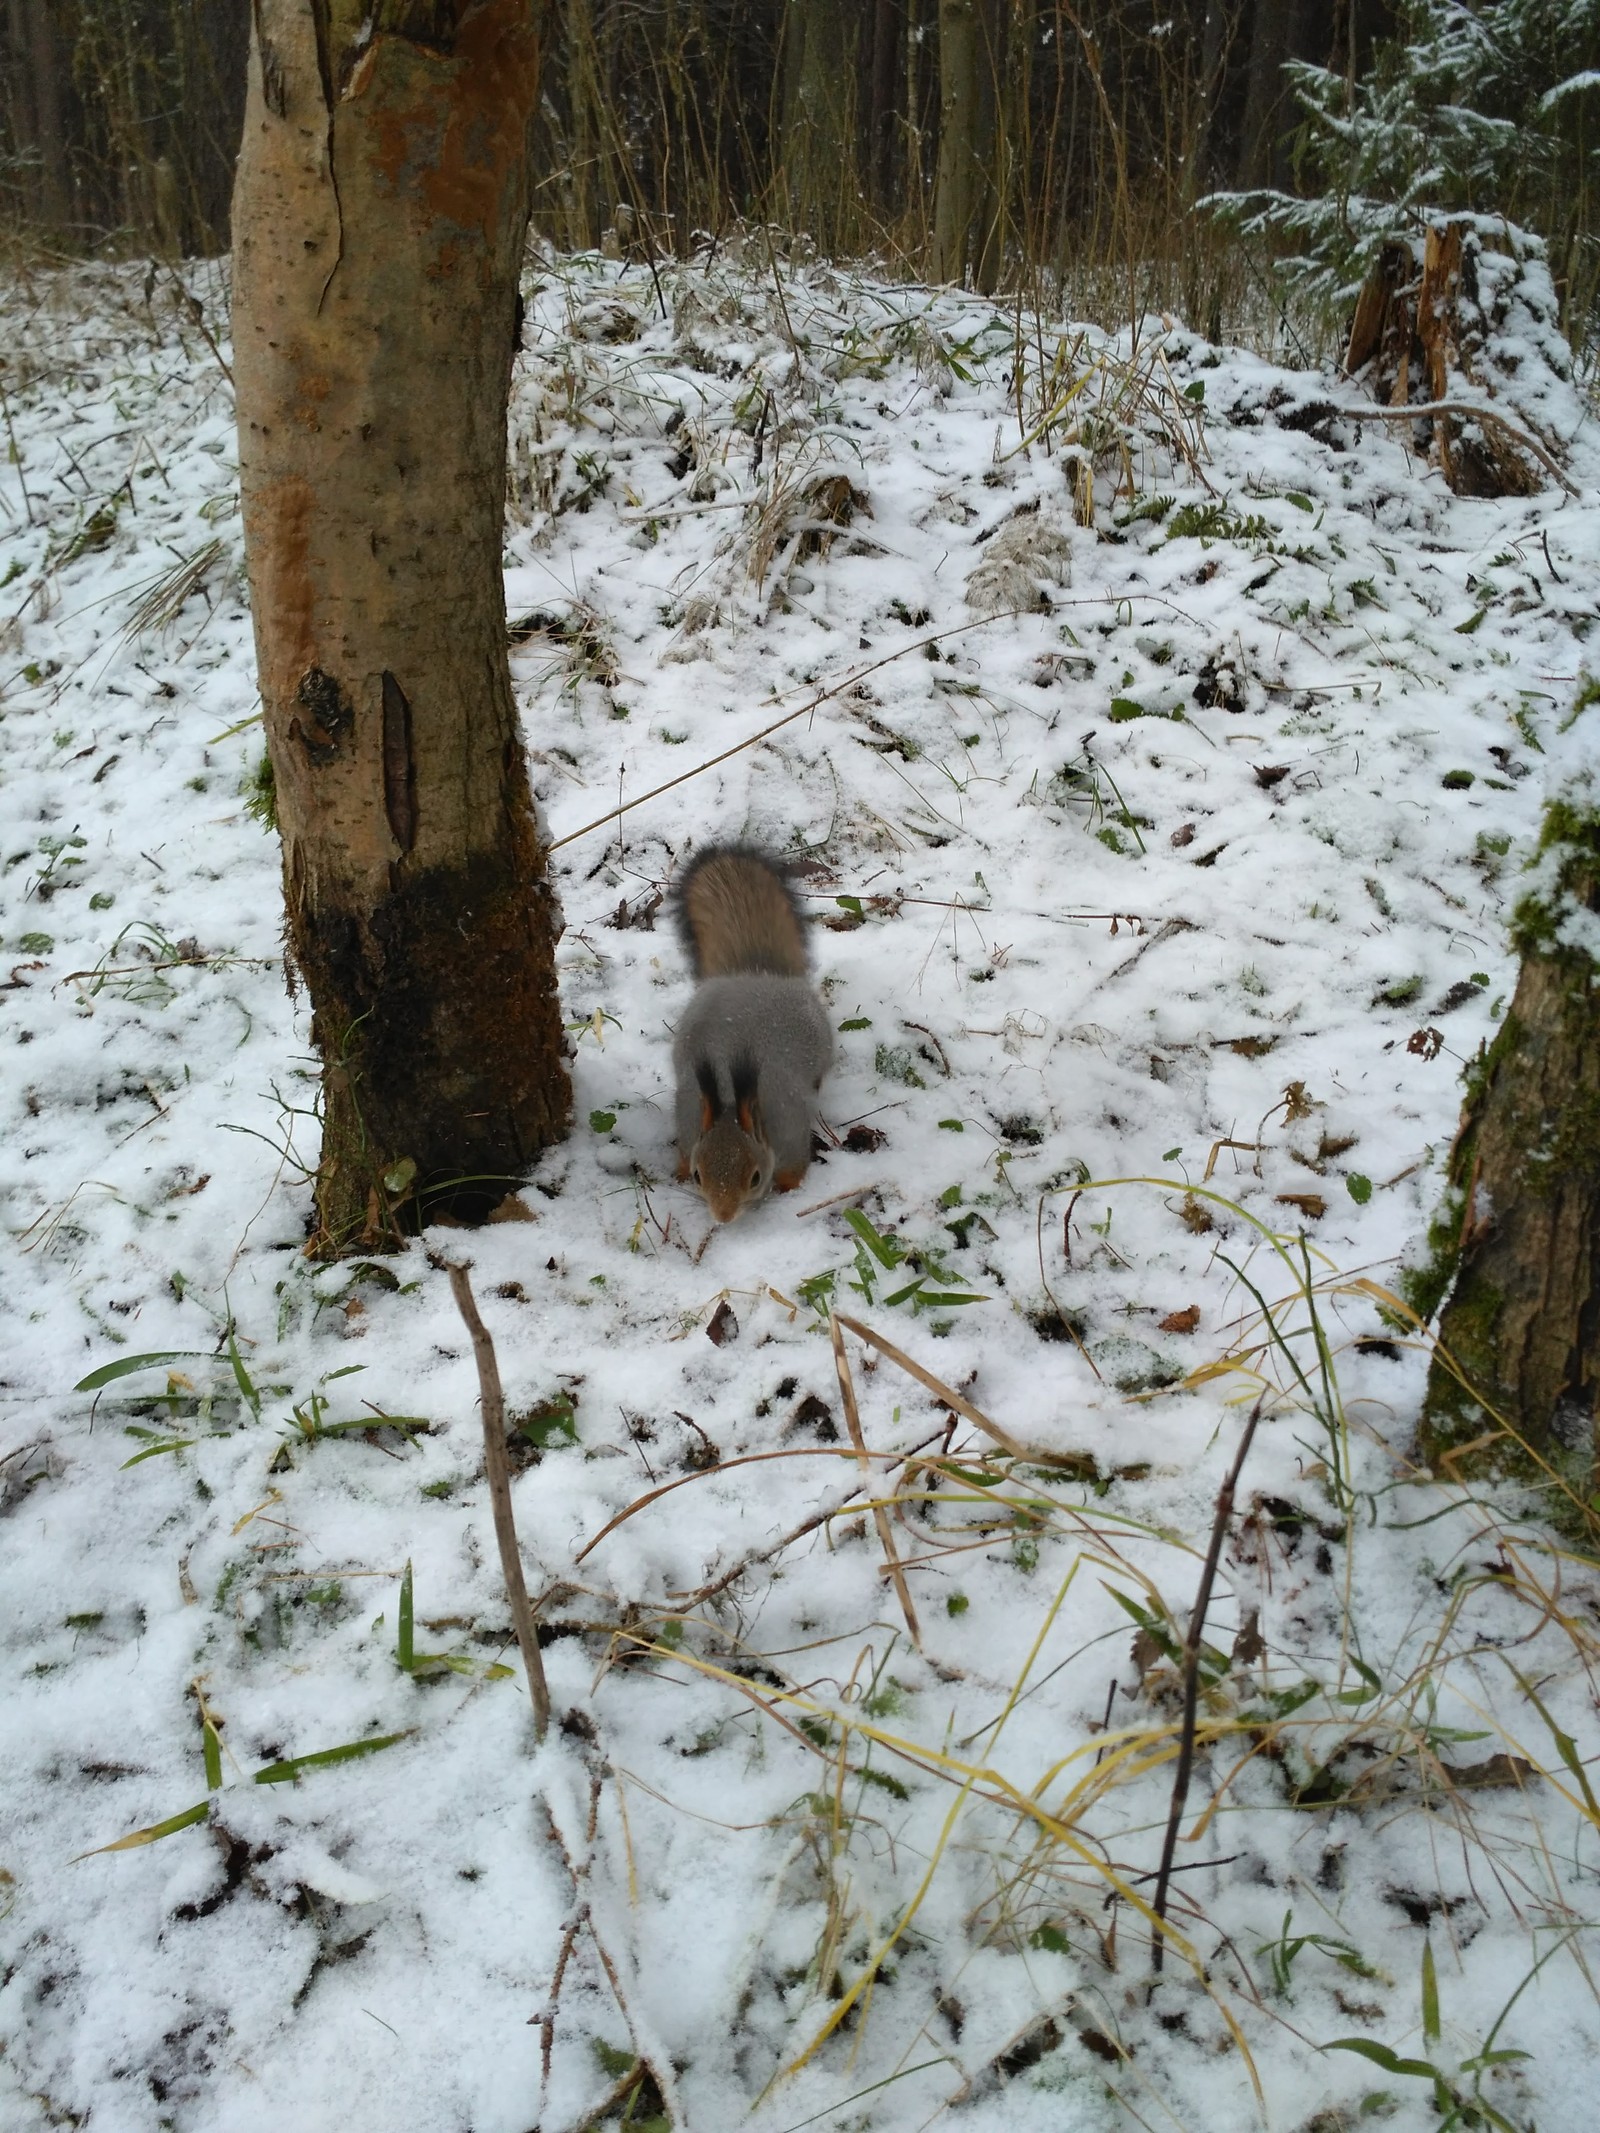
35	98
822	99
967	197
379	221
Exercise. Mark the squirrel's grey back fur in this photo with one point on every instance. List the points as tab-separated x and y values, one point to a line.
775	1025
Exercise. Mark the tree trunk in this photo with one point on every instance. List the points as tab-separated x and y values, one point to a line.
379	218
1520	1231
585	124
821	66
884	111
965	196
1284	30
35	105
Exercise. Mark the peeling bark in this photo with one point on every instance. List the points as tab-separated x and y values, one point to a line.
379	221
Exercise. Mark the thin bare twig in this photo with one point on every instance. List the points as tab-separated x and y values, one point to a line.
496	1466
776	1548
1191	1681
1035	1455
812	703
880	1517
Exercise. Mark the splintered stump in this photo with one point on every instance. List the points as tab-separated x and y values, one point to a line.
1521	1226
1428	337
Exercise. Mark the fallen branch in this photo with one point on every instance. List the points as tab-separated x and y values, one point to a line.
1465	410
499	1473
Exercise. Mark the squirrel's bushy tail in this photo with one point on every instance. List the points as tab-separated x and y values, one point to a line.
737	914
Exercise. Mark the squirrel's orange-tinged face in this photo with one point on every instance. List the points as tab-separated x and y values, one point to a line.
732	1170
725	1206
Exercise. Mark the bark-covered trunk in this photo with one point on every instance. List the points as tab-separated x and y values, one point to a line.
822	85
34	110
1519	1235
1283	30
379	219
883	115
966	199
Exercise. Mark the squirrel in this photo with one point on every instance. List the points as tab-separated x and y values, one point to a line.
754	1041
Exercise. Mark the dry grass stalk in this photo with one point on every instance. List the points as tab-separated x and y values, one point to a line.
880	1516
812	703
948	1394
499	1473
1191	1683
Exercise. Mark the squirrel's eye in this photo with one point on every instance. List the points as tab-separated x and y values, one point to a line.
755	1178
695	1173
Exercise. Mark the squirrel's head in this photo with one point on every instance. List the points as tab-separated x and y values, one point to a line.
731	1161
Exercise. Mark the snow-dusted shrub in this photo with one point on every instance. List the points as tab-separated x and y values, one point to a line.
1483	108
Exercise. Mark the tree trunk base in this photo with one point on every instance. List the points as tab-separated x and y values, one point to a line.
1426	328
1522	1322
437	1019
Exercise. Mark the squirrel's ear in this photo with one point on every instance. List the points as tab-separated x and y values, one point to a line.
744	1095
710	1100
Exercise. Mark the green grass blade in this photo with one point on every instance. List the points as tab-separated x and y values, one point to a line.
212	1744
291	1766
153	1834
405	1645
880	1247
1430	1995
126	1365
242	1378
1566	1747
1381	2055
154	1451
372	1421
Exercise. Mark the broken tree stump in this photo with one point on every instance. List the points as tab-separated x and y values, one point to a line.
1463	325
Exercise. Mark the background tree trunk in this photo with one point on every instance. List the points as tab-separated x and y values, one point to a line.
1522	1226
379	220
822	76
1284	30
965	199
35	109
888	40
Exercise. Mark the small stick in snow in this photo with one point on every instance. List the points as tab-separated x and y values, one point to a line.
499	1473
880	1517
1036	1455
1191	1683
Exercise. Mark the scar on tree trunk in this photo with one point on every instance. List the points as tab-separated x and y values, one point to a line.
1517	1240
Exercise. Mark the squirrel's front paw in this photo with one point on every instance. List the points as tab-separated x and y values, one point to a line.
787	1180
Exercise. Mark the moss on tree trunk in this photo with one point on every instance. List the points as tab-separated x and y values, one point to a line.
379	220
1519	1238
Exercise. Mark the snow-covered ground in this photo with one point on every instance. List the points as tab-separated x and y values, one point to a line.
1193	875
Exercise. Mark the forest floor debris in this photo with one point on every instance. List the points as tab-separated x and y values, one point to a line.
1158	911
